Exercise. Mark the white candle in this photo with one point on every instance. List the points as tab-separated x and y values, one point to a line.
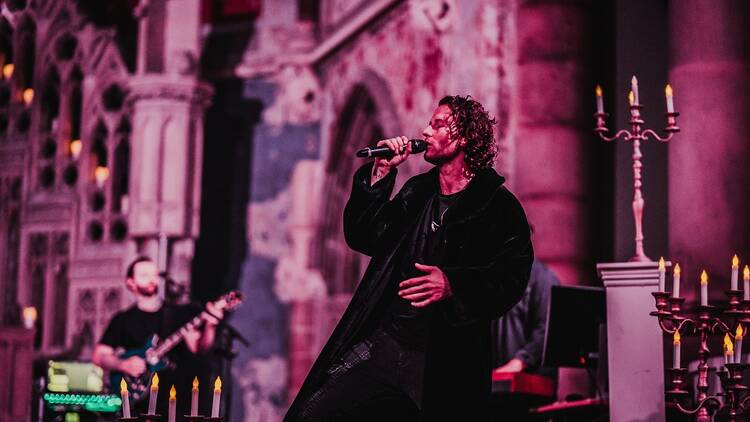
746	283
154	392
676	281
676	354
662	273
125	399
670	100
735	272
728	350
738	344
634	88
217	398
704	288
599	100
194	398
172	404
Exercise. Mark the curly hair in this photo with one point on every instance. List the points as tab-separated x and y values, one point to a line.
474	124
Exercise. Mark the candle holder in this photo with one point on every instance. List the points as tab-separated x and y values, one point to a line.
706	320
149	417
636	134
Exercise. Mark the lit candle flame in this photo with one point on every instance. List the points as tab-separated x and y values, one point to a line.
217	384
598	91
631	98
746	273
735	262
662	265
634	80
738	334
728	346
668	90
676	338
195	383
155	382
101	174
704	278
123	386
8	70
677	269
29	312
28	96
172	393
75	148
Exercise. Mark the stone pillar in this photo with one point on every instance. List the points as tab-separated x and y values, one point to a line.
167	150
708	176
553	138
635	363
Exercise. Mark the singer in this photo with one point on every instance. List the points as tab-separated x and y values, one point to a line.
450	252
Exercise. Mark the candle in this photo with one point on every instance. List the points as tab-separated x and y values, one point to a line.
634	88
662	271
125	398
746	282
704	288
172	404
194	398
728	350
8	70
676	281
670	100
153	393
27	96
676	355
217	398
599	100
735	271
29	315
738	344
631	98
101	174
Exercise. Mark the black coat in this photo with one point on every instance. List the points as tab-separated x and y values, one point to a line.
487	259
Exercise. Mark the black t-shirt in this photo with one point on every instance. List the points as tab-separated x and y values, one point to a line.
131	328
409	325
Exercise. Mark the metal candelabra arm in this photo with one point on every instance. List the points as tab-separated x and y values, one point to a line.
702	404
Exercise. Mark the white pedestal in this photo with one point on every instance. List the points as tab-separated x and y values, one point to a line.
635	358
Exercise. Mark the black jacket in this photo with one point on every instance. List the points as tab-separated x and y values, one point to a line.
487	259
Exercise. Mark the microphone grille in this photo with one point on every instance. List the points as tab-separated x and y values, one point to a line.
418	145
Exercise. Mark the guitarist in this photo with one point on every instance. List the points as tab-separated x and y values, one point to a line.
133	327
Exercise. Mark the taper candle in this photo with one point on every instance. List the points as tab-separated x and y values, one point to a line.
634	88
676	281
599	100
738	344
746	283
704	288
676	355
194	398
728	349
217	398
125	398
670	100
662	274
172	415
153	394
735	272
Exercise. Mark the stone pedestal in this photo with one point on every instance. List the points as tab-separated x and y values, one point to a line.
634	342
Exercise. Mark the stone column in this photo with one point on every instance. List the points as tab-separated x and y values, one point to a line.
167	150
708	159
553	138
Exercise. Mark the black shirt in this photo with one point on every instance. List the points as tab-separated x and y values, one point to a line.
407	324
131	328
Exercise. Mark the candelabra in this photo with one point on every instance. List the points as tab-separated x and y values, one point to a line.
707	320
636	134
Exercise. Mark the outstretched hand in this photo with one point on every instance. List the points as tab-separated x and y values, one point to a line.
426	289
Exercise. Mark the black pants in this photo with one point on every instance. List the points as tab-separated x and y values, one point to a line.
377	379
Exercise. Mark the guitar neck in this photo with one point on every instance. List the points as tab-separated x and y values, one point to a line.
176	338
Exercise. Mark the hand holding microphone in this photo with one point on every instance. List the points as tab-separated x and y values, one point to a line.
390	153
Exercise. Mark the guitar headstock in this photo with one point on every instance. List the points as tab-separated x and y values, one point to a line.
230	301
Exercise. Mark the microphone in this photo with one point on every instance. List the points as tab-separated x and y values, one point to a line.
417	146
